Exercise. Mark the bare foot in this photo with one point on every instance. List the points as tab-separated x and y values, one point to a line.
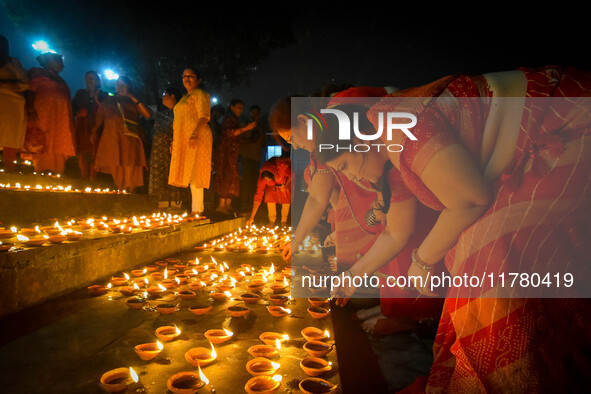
364	314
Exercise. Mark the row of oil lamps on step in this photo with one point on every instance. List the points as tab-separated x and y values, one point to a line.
73	230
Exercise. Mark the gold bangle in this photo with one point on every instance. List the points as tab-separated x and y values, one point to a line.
420	263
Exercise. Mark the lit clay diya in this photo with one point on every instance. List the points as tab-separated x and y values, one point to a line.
278	311
137	273
4	234
135	303
200	310
200	356
250	298
28	232
270	338
157	275
126	290
34	242
313	334
151	267
185	383
187	294
267	351
225	287
219	296
202	247
166	309
57	238
317	386
318	301
180	266
74	236
116	380
238	311
278	287
217	336
96	290
315	366
263	385
118	281
261	366
167	333
317	348
148	351
161	263
155	291
278	299
182	278
254	288
168	283
196	286
318	312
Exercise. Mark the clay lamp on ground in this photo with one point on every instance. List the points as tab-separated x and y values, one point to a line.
57	238
151	267
278	311
314	334
263	384
279	287
180	266
278	299
203	247
161	263
96	290
267	351
156	291
138	273
157	275
238	311
273	338
318	301
167	333
148	351
317	386
250	298
118	380
187	294
136	303
261	366
197	285
255	288
4	233
73	235
167	309
187	382
127	290
225	287
218	336
317	348
118	281
168	283
315	366
317	312
31	242
200	356
200	310
221	296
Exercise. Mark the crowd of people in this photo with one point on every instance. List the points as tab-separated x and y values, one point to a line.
183	148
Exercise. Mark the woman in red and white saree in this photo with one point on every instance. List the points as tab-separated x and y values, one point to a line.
511	201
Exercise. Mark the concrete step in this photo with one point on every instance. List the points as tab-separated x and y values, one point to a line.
34	275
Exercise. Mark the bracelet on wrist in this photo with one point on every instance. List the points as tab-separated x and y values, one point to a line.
420	263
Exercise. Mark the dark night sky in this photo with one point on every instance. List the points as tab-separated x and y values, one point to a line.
376	51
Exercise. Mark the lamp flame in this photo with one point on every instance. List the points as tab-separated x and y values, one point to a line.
202	376
228	332
277	344
213	352
160	346
133	375
277	378
228	294
326	334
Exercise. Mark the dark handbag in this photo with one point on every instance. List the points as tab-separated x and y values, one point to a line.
130	127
